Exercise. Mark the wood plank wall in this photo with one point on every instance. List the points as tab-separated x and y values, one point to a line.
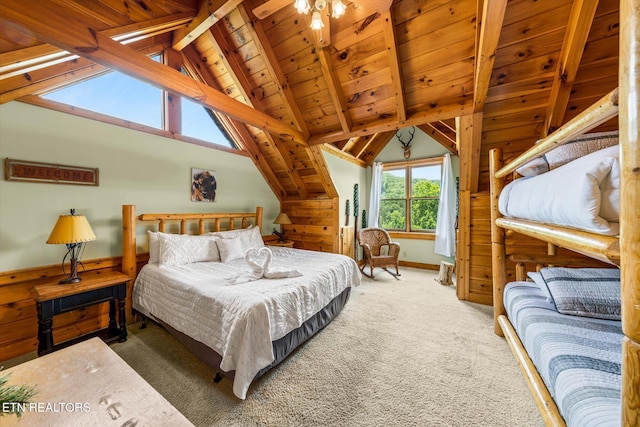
315	224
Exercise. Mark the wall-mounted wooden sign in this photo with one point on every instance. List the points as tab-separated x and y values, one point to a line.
21	170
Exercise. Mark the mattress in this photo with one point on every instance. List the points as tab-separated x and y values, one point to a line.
240	321
578	358
582	194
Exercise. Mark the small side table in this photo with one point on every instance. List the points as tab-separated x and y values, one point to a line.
95	287
284	243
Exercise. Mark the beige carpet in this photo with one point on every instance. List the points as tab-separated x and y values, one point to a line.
402	353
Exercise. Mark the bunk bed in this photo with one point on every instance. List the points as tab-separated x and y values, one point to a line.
237	305
617	250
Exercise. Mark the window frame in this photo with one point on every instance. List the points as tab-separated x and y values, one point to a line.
407	166
166	129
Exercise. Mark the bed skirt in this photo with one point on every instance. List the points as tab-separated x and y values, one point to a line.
281	347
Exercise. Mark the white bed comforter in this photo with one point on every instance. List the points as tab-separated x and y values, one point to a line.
240	321
583	194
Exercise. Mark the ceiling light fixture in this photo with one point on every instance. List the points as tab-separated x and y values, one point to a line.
337	10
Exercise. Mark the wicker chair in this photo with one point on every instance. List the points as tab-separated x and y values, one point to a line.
379	250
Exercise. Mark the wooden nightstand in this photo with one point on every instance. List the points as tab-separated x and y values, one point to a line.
95	287
284	243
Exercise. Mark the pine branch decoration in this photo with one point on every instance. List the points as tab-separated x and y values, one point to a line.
14	394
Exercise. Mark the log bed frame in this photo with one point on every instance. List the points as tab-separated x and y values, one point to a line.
204	220
623	250
131	263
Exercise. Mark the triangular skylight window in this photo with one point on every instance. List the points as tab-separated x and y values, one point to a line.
201	123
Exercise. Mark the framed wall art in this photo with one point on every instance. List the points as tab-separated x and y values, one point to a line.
203	185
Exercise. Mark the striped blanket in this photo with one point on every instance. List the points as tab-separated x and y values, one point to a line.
579	358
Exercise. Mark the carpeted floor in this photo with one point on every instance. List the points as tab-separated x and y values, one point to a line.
402	353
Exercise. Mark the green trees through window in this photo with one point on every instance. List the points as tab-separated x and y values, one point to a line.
410	195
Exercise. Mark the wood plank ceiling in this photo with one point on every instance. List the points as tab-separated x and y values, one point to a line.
286	90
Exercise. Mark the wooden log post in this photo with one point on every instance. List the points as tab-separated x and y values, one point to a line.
629	117
498	252
129	266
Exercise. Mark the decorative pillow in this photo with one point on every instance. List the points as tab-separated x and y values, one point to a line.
180	249
577	147
154	246
249	237
230	249
589	292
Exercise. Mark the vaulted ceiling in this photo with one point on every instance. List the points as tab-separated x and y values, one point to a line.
287	91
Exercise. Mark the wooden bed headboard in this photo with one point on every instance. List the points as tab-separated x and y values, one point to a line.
204	221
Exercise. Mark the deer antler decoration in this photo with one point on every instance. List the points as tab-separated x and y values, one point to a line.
406	145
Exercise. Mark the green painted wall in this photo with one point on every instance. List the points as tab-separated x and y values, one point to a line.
345	175
149	171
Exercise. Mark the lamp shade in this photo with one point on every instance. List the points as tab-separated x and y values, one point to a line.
282	218
71	229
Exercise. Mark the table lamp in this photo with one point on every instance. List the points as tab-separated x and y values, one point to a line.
72	230
282	218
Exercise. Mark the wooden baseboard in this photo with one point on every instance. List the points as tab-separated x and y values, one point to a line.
411	264
421	265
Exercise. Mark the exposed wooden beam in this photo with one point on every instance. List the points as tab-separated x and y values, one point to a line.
33	58
580	20
440	137
328	71
342	154
490	27
362	143
382	139
469	140
386	125
270	7
60	75
375	144
172	104
394	64
335	89
351	142
63	27
210	12
273	67
234	69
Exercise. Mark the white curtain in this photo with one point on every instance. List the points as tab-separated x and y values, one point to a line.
445	243
374	197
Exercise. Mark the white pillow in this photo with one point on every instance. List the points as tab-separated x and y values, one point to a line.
230	249
179	249
249	237
154	246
